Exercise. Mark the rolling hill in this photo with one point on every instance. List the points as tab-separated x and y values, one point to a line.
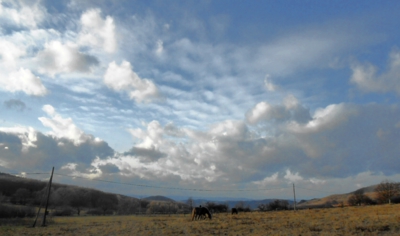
336	199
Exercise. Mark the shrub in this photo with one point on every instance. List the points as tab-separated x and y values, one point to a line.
65	211
95	212
16	211
99	212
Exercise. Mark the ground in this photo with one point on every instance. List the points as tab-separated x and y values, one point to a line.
363	220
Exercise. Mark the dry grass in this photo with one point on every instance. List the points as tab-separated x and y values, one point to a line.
366	220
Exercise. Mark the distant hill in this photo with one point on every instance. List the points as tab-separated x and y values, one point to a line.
71	200
336	199
253	204
25	191
158	198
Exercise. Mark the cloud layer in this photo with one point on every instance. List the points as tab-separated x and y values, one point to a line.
164	95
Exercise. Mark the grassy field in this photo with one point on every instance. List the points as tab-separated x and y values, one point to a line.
365	220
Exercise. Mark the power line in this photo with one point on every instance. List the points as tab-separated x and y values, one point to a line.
316	190
24	173
171	188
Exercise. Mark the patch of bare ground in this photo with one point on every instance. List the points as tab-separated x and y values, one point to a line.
365	220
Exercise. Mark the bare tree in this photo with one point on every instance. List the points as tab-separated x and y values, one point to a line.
2	198
359	198
107	202
190	203
78	200
262	207
22	195
386	190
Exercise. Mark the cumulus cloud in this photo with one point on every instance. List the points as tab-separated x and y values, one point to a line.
123	78
26	137
10	53
14	78
30	150
108	168
64	58
366	78
290	110
22	80
97	31
23	13
338	141
63	127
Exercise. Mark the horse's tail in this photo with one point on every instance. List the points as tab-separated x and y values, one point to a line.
193	213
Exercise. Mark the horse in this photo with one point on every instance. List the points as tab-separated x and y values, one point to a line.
234	211
199	212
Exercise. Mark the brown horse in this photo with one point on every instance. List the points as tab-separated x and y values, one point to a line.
234	211
199	212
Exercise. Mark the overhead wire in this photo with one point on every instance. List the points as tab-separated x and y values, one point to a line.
170	188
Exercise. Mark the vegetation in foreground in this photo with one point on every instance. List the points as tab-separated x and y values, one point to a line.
362	220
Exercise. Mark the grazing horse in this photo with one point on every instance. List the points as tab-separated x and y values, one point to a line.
234	211
198	212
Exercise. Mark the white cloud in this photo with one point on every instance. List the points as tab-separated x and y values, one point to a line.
10	53
306	49
268	180
292	177
63	128
291	110
268	84
27	135
98	32
366	78
64	58
263	110
22	80
151	138
159	47
23	13
123	78
14	78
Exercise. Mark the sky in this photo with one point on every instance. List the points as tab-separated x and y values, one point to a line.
238	99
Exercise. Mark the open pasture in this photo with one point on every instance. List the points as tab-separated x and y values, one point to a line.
365	220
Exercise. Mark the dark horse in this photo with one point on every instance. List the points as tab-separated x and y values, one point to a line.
234	211
199	212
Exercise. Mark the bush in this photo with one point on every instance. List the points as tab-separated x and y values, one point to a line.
95	212
65	211
16	211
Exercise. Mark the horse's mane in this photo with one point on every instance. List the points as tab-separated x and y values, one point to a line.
199	211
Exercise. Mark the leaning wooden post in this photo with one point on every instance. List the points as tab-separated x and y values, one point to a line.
48	197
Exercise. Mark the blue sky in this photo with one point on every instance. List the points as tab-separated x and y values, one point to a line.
212	95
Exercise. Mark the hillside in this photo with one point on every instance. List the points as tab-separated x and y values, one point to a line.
158	198
30	192
71	200
336	199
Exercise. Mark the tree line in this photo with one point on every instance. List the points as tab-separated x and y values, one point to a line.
385	192
68	200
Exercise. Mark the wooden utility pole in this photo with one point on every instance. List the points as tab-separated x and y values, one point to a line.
48	197
294	196
40	206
